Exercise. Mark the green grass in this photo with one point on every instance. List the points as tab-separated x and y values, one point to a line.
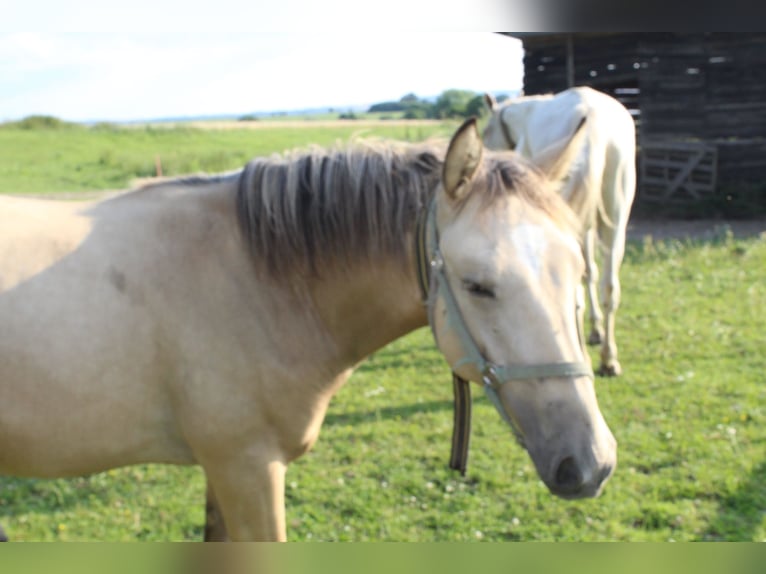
688	414
80	159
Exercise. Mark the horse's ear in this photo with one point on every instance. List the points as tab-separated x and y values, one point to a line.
556	160
463	158
490	101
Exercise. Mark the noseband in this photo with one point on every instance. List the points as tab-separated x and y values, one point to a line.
432	276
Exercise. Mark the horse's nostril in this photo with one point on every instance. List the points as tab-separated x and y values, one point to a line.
568	476
606	473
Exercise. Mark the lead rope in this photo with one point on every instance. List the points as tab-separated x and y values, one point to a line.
461	424
461	389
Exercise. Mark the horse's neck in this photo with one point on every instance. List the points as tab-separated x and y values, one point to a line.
368	307
360	310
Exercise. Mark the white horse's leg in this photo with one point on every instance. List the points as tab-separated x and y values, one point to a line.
621	186
250	492
614	239
591	282
215	528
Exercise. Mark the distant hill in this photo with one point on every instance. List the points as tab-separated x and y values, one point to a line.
355	108
253	115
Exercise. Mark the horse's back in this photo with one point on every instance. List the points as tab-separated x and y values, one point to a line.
610	140
606	116
611	153
77	335
610	117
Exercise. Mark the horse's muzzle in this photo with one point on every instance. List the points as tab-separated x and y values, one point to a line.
569	481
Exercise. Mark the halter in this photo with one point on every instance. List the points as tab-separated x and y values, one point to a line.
506	131
432	275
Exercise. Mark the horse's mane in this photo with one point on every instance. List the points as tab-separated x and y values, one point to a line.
307	210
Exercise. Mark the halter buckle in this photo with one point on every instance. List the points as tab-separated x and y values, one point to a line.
489	377
437	262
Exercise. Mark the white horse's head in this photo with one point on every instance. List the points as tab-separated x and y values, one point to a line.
497	133
506	309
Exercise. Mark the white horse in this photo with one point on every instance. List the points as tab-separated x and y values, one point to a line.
210	321
600	183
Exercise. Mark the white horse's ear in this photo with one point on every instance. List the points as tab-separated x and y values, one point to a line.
490	101
463	158
556	160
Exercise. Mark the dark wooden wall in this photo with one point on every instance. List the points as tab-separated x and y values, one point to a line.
680	87
607	62
712	88
709	86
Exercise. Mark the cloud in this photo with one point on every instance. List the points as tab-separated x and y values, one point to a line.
138	76
246	16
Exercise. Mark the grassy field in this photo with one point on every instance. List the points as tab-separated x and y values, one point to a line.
688	413
74	159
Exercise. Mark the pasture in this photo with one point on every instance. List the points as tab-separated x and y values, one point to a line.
72	159
687	413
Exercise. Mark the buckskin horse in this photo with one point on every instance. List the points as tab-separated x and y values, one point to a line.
210	320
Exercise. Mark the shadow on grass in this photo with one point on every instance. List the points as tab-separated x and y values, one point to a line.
420	357
46	497
387	413
24	495
43	494
741	514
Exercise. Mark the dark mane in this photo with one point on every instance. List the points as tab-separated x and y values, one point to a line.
318	207
310	210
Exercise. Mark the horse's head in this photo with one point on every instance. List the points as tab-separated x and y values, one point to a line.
498	134
506	309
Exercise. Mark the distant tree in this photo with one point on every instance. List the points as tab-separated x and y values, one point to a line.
453	104
387	107
104	127
41	122
450	104
419	111
476	107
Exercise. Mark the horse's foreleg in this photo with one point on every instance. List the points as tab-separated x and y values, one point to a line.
249	493
3	537
591	283
614	240
215	528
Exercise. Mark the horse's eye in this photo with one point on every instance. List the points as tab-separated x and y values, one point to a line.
478	290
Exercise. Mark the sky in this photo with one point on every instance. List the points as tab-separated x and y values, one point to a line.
255	63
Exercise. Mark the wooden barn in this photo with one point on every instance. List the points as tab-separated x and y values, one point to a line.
699	101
